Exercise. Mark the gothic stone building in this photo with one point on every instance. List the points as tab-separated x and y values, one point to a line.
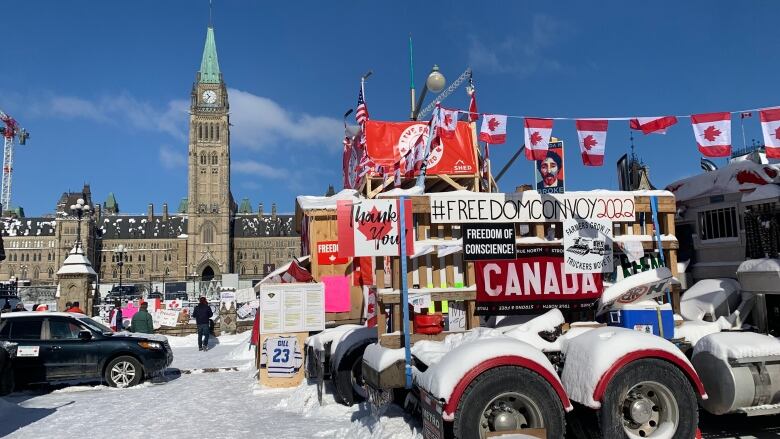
208	236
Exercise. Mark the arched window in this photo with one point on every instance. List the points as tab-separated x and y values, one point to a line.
243	270
208	233
113	273
36	273
200	131
141	272
214	158
217	131
203	158
254	270
167	271
51	272
127	272
211	131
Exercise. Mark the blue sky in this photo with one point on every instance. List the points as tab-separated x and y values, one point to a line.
104	86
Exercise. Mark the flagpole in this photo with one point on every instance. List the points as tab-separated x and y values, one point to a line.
411	76
742	123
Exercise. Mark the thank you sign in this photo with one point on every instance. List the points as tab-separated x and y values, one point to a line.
372	228
488	241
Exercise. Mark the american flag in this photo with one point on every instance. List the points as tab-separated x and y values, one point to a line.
361	115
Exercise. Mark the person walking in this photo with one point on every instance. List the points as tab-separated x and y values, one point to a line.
202	315
115	317
142	320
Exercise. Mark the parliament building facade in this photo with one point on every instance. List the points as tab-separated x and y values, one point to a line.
207	236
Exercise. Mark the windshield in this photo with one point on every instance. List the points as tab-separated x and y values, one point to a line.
95	326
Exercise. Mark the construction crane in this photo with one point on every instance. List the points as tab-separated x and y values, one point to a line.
10	131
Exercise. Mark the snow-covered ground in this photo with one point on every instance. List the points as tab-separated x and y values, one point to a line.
197	403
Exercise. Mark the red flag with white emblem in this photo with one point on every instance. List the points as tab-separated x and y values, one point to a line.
770	125
593	141
493	129
537	137
447	123
713	133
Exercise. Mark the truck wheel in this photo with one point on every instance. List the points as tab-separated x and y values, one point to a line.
6	373
124	371
649	399
348	378
506	399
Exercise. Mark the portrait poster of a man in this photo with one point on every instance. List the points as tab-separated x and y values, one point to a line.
549	172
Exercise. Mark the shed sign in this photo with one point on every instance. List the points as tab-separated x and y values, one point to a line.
488	241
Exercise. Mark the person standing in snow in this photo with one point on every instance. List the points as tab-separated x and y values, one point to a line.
115	317
142	320
202	315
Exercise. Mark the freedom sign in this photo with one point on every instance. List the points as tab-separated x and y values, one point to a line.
530	207
371	228
488	241
533	283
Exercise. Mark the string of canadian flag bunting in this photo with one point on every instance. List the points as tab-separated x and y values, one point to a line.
712	134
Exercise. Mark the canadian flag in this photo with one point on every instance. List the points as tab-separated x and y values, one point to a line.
537	137
648	125
448	122
770	125
713	133
593	140
493	129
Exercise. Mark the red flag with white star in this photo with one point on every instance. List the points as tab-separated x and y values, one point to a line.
770	125
593	141
537	137
493	129
713	133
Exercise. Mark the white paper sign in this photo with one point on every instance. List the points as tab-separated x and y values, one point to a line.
456	316
167	317
292	307
633	250
27	351
530	207
244	311
420	301
587	246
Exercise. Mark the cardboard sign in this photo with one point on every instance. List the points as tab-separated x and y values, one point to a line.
328	253
371	228
588	246
388	142
530	207
549	172
166	317
533	283
488	241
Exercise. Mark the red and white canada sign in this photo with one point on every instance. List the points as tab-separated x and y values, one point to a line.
371	228
533	283
328	253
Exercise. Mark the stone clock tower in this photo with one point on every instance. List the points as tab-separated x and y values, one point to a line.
210	203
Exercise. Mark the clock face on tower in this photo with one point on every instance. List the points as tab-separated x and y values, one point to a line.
209	96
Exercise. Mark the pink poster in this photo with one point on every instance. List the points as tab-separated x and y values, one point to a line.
336	293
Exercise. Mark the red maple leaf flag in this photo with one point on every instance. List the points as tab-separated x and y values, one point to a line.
593	140
493	129
537	137
770	125
447	123
652	125
713	133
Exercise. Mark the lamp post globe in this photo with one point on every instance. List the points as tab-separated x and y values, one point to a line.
436	81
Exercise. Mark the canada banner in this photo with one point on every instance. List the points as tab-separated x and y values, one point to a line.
387	142
592	135
770	126
713	133
371	228
533	283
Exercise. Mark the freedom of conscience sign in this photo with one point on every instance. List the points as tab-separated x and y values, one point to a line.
530	207
488	241
533	283
588	246
371	228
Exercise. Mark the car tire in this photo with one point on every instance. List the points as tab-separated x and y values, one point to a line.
347	376
646	398
532	400
7	379
124	371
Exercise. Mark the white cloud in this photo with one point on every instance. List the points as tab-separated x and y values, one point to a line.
259	169
171	158
259	122
522	55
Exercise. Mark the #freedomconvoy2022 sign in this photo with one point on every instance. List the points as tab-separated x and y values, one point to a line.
533	283
488	241
530	207
371	228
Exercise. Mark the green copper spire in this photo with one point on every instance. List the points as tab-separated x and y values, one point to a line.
209	66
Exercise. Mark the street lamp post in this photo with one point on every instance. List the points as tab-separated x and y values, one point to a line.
435	83
79	209
119	251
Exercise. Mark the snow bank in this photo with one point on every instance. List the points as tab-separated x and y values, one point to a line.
736	177
618	289
192	340
380	358
529	332
591	354
759	265
716	297
473	348
693	331
738	345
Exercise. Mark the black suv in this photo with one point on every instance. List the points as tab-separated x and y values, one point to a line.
125	292
58	346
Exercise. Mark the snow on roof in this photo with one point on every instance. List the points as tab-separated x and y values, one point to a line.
137	226
29	226
738	345
311	202
76	263
743	176
246	226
